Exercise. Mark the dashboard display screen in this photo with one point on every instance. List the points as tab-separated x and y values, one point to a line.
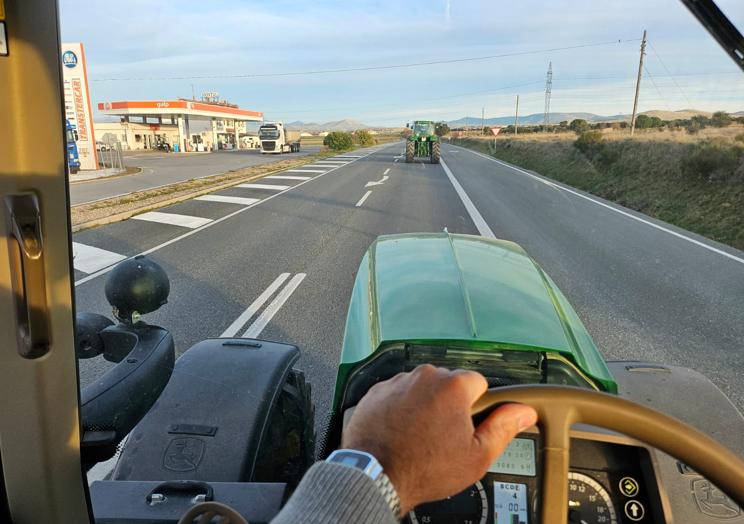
517	459
510	503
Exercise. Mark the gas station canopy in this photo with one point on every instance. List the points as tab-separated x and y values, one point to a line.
178	108
183	112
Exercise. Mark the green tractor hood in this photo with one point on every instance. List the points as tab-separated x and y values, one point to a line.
442	288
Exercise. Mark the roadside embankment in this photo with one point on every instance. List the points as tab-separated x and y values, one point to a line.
696	185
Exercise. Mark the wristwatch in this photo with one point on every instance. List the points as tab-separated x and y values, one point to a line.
369	465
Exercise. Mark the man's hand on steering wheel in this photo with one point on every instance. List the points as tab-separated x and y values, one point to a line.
418	425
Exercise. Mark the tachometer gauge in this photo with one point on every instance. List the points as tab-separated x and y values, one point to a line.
468	507
588	501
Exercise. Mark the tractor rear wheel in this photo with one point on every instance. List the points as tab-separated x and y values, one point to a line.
436	152
409	151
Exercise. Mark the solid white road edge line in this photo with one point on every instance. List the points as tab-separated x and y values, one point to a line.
173	219
260	323
386	171
480	224
246	315
361	200
616	210
213	222
306	170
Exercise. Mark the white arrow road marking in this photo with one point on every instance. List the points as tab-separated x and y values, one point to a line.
89	259
263	186
228	199
289	177
378	183
173	219
361	200
255	306
260	323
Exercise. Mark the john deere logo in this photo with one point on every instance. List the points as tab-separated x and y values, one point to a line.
183	454
69	59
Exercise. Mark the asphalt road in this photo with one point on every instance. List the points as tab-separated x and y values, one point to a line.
645	290
168	168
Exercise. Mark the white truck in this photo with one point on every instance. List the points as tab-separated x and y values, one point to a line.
276	139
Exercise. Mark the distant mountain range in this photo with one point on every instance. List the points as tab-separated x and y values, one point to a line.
337	125
537	118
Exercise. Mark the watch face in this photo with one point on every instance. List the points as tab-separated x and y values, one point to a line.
354	460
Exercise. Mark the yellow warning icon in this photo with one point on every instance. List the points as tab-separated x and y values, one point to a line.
628	486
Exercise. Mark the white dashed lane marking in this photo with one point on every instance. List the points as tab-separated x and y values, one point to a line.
361	200
229	199
173	219
263	186
89	259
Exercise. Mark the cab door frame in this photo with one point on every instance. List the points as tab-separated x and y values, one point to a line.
39	419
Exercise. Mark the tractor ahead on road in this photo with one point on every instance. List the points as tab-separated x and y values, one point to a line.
423	142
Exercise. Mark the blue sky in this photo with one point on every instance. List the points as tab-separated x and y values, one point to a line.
146	50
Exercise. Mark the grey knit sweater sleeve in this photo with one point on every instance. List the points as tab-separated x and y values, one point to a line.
331	493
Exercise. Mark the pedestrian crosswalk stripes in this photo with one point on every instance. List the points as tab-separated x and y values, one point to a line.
173	219
289	177
229	199
89	259
272	187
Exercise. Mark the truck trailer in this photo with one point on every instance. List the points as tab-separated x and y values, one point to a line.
275	138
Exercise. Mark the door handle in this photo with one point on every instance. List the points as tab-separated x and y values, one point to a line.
26	250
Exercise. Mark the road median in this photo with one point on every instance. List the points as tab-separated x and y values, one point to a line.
114	209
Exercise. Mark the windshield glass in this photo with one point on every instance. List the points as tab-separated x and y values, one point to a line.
268	133
424	128
70	135
579	199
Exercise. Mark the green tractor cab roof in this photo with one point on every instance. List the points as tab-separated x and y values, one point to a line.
440	288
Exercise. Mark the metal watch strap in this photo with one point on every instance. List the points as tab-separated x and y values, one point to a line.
389	493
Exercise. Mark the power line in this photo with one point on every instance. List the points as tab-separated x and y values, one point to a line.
669	73
368	68
651	78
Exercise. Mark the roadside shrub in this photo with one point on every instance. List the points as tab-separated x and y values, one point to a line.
713	160
739	138
590	143
338	141
721	119
579	126
364	139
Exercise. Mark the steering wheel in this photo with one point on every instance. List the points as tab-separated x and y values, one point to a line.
558	407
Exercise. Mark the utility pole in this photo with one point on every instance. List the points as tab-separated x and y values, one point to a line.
483	116
193	95
638	85
548	88
516	117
